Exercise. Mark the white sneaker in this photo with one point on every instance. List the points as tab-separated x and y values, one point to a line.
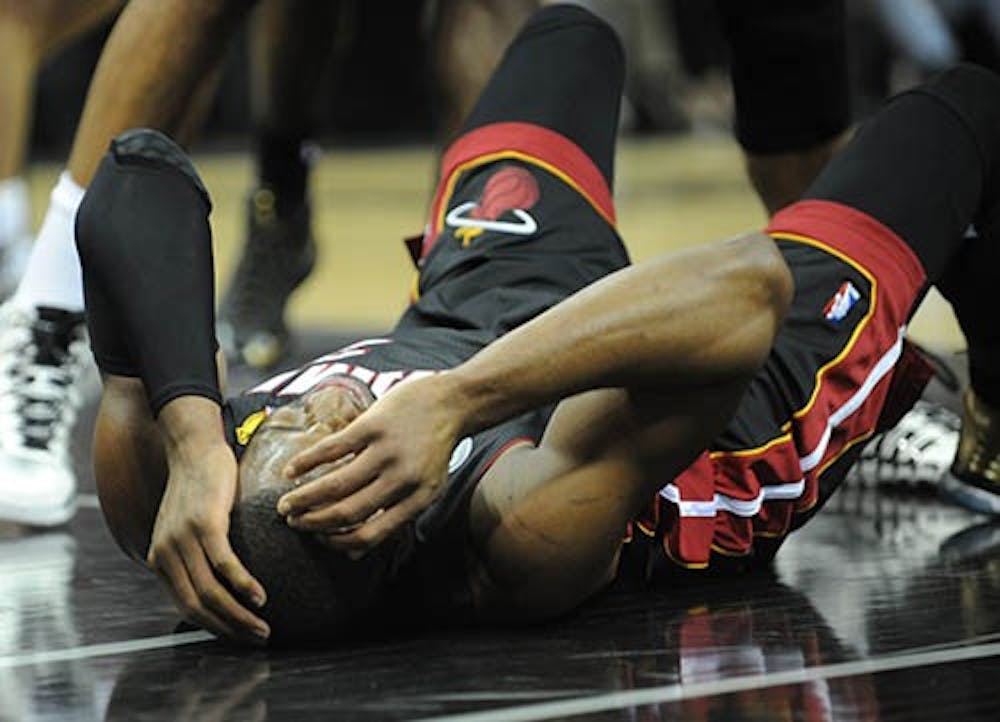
917	452
45	362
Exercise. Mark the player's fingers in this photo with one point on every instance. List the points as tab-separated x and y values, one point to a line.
330	487
358	508
215	599
377	528
327	450
228	567
174	575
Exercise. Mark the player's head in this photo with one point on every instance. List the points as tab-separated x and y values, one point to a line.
315	594
289	429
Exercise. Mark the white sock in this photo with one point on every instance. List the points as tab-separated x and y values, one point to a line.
53	276
15	210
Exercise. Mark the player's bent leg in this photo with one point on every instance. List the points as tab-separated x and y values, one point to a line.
926	166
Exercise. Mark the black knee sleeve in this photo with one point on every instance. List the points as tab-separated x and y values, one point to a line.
145	246
564	71
789	71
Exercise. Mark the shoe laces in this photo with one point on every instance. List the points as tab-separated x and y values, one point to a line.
41	366
919	447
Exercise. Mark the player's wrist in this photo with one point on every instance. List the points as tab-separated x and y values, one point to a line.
472	401
189	424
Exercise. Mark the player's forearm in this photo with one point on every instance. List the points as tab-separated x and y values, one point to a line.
695	318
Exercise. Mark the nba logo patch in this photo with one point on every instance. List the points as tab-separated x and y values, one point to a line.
837	308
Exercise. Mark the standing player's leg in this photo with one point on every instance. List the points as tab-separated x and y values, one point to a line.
291	44
152	69
29	33
467	40
544	79
790	80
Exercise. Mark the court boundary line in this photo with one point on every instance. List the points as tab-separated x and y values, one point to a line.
104	649
603	702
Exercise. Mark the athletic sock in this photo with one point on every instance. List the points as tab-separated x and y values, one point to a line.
52	277
15	210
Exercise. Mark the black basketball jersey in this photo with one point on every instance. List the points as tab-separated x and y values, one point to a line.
382	364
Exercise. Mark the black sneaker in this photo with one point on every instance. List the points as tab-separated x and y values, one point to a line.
974	478
278	256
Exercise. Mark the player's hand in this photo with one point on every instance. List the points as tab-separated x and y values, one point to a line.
190	548
386	467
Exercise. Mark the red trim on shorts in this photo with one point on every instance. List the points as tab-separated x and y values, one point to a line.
897	278
535	141
864	240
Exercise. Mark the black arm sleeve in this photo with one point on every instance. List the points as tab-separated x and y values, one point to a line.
146	250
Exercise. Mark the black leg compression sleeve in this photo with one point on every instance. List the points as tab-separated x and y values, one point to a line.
924	164
145	246
789	70
565	71
927	166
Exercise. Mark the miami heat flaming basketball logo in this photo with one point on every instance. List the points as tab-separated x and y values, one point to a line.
510	192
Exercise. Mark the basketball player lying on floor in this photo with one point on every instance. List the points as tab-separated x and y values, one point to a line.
708	401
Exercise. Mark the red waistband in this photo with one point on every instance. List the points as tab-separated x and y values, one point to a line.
857	236
531	143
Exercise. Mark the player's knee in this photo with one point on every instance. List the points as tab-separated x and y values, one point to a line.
765	280
775	276
597	38
753	270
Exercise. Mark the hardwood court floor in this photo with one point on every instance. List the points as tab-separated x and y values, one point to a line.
885	607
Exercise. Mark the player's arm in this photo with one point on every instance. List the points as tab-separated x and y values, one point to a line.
145	246
684	324
547	523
